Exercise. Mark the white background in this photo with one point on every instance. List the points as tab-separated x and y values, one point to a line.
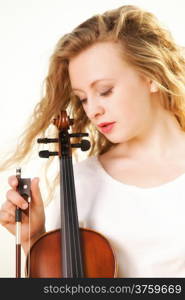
29	30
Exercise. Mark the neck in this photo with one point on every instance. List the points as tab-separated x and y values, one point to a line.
162	136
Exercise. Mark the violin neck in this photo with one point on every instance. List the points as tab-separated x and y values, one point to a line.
72	266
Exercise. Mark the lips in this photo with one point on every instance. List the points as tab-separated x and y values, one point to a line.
106	127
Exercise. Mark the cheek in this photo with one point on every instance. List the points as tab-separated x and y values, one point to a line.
133	102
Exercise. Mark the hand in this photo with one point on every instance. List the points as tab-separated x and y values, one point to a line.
37	215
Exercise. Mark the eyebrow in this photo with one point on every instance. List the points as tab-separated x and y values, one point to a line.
93	83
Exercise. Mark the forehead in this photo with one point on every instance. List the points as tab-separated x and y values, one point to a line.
99	60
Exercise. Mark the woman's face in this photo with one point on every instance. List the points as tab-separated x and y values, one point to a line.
111	90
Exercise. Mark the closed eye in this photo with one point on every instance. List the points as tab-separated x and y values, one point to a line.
106	93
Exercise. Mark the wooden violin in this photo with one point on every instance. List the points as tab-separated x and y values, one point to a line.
70	251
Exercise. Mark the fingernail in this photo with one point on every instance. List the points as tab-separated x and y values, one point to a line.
24	206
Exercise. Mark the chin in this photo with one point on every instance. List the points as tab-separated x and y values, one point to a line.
114	140
118	140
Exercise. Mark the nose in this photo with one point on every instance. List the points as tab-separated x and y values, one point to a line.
94	110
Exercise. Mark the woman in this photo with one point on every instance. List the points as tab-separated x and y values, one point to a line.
121	75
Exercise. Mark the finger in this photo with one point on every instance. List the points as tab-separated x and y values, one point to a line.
6	218
35	192
16	199
9	207
13	182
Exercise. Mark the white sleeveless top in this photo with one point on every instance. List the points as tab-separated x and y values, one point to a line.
145	226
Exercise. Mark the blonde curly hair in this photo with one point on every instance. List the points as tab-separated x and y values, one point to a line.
147	46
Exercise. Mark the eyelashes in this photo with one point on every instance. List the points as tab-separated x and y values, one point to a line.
107	92
104	94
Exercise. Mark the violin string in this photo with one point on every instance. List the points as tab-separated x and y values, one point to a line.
66	224
65	232
70	220
72	213
76	233
72	235
63	222
79	254
70	273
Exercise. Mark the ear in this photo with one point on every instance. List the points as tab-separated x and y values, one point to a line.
153	87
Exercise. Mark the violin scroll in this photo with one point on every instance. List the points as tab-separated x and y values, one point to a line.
63	122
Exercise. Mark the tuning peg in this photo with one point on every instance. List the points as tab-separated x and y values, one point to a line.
78	134
47	154
84	145
46	141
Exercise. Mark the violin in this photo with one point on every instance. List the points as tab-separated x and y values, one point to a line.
70	251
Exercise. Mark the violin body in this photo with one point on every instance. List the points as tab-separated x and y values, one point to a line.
46	262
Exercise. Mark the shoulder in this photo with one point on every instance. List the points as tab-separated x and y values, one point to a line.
87	167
